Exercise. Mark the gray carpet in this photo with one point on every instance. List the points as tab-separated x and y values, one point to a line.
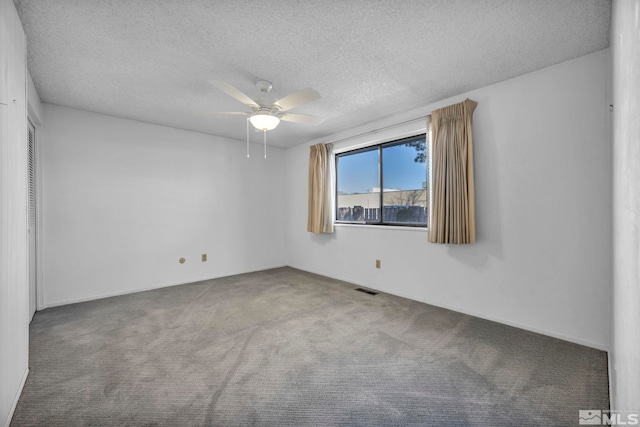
284	347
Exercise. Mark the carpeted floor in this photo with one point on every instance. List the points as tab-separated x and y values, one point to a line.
284	347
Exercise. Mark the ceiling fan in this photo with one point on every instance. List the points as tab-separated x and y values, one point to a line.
266	112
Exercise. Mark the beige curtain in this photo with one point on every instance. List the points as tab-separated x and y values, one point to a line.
452	213
321	166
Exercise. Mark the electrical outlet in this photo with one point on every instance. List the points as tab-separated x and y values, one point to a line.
204	257
377	263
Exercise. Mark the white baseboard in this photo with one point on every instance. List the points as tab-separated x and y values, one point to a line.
17	397
580	341
530	328
156	286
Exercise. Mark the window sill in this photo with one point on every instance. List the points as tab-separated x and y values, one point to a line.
381	227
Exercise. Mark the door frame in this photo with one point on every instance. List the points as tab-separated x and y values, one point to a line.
34	117
32	251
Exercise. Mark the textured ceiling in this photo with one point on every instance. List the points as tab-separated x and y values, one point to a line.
151	60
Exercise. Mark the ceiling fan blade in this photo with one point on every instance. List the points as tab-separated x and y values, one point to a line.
235	93
230	113
301	118
297	98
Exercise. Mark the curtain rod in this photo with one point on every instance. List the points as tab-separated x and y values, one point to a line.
374	131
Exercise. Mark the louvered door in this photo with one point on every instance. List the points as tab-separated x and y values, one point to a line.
31	134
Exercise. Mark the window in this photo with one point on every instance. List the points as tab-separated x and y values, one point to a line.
385	184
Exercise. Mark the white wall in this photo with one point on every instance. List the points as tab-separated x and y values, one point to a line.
625	346
34	105
542	173
14	317
124	200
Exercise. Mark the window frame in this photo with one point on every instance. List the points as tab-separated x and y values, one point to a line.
379	147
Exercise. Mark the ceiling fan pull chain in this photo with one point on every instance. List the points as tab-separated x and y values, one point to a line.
248	138
265	143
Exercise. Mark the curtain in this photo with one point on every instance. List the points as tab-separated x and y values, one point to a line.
321	189
452	213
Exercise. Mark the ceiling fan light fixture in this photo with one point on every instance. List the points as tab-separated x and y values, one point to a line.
264	121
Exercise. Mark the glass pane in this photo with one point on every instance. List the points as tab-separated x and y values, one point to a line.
404	175
358	187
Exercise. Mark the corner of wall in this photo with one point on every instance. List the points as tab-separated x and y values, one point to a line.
34	105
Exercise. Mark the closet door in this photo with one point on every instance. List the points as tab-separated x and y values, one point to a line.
31	147
14	204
